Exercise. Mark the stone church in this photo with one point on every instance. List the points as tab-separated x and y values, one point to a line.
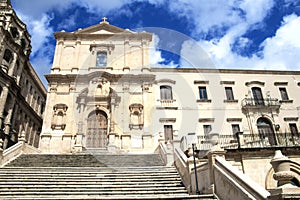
103	93
113	126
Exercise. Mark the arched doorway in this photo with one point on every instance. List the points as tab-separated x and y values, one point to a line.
96	136
266	131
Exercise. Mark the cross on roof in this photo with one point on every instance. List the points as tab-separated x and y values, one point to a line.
104	19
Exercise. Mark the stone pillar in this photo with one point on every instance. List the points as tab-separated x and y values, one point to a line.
1	150
214	152
12	65
14	118
3	103
7	123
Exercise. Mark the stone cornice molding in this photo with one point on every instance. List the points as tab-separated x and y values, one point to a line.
255	83
165	81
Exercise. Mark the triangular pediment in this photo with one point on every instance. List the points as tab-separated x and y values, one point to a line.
102	28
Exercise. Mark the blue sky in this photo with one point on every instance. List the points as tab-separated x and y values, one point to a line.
235	34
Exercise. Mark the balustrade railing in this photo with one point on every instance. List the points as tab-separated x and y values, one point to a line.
167	102
251	141
252	102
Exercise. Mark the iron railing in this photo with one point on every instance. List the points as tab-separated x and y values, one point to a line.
251	141
251	102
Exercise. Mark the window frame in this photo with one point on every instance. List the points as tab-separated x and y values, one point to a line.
166	92
202	93
99	62
229	94
168	132
207	128
283	93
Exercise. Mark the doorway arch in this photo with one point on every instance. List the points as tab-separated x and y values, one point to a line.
266	131
97	124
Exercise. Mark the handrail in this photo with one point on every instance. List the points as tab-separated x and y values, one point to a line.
226	175
16	150
161	149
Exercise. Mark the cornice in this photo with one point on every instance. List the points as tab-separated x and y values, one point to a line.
224	71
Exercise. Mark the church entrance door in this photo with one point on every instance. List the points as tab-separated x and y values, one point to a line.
96	136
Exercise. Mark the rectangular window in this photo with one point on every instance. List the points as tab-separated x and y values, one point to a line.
168	129
229	93
166	92
206	129
101	60
294	129
283	93
203	93
235	129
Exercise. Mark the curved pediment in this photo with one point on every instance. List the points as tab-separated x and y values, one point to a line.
165	81
255	83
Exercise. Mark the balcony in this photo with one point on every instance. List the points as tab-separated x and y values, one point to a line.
251	141
167	104
260	103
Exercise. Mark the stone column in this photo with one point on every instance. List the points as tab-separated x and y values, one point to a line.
3	103
7	123
14	118
12	65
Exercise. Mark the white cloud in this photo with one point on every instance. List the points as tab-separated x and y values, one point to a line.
193	55
232	18
282	50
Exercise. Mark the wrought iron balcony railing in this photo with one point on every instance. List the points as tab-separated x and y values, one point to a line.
251	141
252	102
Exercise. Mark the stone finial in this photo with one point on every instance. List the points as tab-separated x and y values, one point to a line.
281	166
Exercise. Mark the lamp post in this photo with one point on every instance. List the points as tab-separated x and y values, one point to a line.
195	169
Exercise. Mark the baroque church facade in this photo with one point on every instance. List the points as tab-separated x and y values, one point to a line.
103	93
22	93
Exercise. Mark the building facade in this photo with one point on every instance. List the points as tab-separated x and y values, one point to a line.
103	93
22	93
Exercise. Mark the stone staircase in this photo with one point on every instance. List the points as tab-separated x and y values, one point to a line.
91	176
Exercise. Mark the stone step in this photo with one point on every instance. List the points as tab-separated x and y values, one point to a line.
100	190
66	179
75	191
106	185
91	176
86	182
82	160
115	197
86	173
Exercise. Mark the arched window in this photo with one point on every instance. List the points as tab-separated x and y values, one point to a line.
166	92
265	131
